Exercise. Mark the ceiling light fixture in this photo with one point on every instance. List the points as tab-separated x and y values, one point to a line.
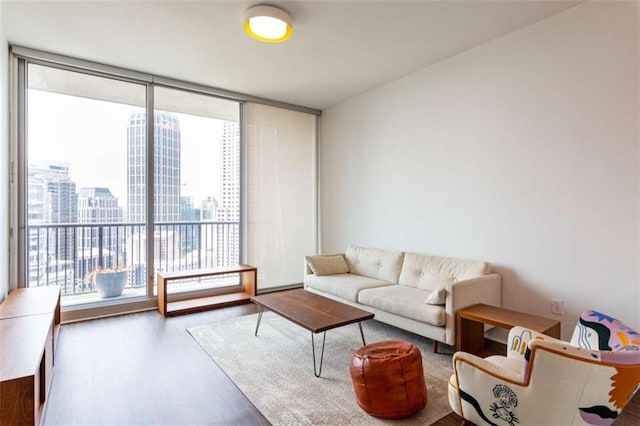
268	23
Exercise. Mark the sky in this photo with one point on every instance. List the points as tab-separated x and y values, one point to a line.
91	136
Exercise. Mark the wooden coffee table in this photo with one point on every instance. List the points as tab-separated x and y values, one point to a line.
313	312
471	321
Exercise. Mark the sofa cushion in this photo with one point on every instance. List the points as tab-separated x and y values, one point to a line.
346	286
429	272
327	265
437	297
374	263
404	301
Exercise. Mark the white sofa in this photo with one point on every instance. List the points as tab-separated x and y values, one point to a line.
415	292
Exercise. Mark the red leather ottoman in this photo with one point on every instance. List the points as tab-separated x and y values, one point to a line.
388	379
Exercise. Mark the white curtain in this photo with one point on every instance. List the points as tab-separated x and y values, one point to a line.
280	193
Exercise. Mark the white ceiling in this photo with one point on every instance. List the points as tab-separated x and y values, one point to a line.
338	48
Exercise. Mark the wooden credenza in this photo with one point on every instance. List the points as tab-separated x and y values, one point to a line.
29	327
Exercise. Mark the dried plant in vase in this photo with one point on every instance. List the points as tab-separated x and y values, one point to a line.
109	282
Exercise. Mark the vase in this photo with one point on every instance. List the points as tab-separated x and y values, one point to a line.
110	284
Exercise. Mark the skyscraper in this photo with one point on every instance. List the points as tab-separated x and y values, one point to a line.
98	205
51	199
228	238
229	211
167	180
166	187
189	233
54	194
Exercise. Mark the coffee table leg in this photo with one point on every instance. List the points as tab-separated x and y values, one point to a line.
317	373
259	319
362	334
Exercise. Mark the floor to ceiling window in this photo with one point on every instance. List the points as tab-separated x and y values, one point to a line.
122	175
196	186
87	186
79	225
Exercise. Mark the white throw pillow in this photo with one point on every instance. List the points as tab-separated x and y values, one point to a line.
327	265
437	296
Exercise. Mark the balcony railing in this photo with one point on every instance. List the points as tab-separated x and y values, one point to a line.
64	254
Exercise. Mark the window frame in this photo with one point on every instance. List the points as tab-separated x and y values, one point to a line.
20	58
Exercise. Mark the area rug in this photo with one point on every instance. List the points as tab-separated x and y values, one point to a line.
275	369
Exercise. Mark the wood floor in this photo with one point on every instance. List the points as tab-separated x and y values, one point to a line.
144	369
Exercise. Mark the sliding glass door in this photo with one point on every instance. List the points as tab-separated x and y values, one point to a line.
98	221
77	221
121	175
196	186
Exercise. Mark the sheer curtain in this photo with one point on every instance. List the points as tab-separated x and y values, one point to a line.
281	193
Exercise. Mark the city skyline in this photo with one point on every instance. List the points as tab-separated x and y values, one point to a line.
88	158
209	203
60	127
74	229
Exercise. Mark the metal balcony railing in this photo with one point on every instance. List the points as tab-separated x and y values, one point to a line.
64	254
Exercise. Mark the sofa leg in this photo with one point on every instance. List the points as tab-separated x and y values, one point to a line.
435	346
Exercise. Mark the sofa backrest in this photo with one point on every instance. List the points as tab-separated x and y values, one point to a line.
430	272
374	263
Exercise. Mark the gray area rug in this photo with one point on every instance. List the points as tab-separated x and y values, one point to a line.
275	369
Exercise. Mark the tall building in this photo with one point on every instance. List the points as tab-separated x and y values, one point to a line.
188	211
228	235
51	199
189	233
167	180
99	206
166	187
229	211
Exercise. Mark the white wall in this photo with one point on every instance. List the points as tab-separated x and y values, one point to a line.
523	152
4	160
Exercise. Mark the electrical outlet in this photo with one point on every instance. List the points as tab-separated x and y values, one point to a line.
557	307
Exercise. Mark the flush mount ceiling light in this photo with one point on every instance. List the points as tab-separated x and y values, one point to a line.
268	24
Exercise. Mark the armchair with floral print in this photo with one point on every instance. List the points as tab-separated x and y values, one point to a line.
547	381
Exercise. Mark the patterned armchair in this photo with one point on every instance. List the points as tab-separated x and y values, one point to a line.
543	380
